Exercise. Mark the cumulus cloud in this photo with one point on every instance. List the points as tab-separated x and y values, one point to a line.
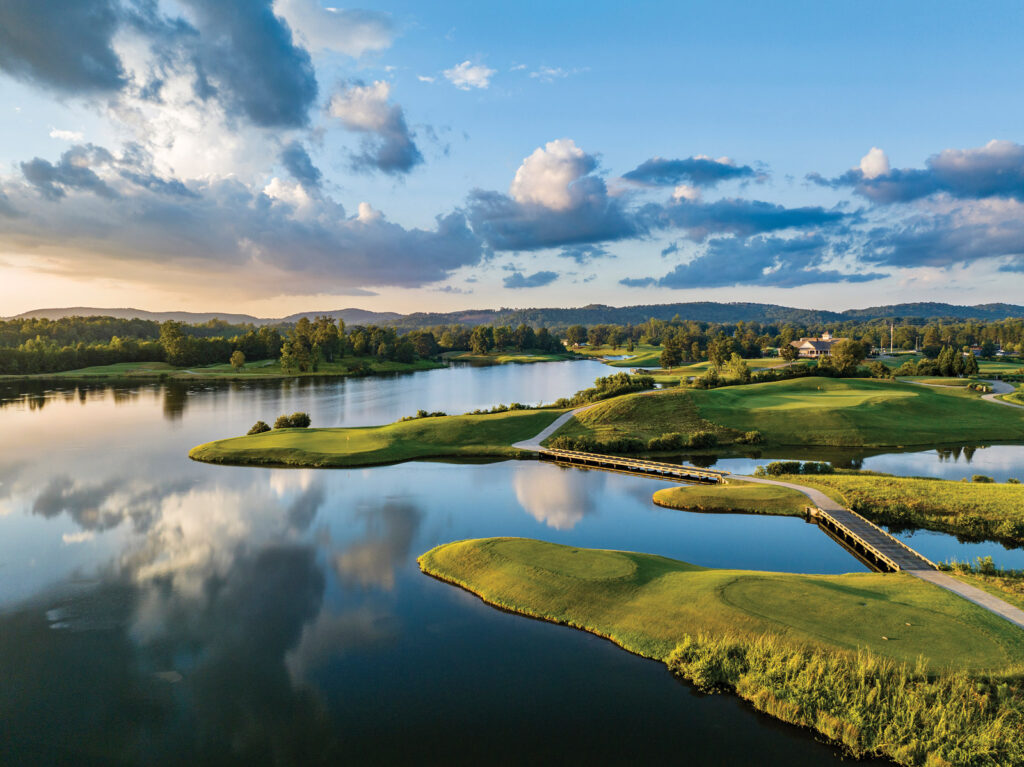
124	219
238	53
696	171
554	199
349	31
67	47
763	260
518	280
994	170
389	145
297	162
875	163
467	75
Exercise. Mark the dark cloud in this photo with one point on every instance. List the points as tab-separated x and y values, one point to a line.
222	227
62	45
388	144
994	170
506	224
581	254
536	280
764	261
73	171
742	218
246	54
296	161
670	249
698	171
948	240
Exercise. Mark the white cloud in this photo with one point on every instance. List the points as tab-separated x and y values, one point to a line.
352	32
545	176
363	107
67	135
80	537
874	163
367	213
424	79
467	75
686	192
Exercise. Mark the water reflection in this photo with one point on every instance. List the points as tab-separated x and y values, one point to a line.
559	499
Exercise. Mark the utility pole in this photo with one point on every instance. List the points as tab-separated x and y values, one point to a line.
892	333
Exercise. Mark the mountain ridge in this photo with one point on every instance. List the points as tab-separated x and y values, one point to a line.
591	314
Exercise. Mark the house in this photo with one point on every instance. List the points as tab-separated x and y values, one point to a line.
812	348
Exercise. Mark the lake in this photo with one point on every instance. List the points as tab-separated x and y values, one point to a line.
157	611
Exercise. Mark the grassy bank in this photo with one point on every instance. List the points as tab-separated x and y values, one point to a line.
820	651
976	510
735	496
258	369
451	436
504	358
841	412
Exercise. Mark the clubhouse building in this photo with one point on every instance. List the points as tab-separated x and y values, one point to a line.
812	348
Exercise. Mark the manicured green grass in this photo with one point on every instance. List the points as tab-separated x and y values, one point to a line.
857	412
642	356
883	664
643	416
990	511
251	370
503	358
844	412
488	435
734	496
647	603
939	381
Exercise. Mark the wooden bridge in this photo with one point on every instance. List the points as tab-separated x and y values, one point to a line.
657	469
868	542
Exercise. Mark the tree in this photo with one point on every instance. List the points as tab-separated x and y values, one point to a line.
789	352
958	363
847	355
671	353
481	340
970	365
237	359
737	368
576	335
879	370
258	428
719	351
988	349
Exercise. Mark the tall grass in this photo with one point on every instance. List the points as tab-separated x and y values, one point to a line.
871	705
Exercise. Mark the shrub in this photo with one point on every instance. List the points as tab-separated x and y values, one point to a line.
777	468
258	428
667	442
1013	481
981	478
298	420
702	439
751	438
424	414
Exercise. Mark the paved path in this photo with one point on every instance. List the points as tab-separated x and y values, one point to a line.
533	443
907	559
1000	387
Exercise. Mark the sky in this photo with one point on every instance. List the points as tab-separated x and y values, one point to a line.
278	156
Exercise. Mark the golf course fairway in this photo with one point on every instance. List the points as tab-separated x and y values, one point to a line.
884	664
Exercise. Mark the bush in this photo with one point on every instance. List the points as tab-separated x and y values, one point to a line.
702	439
298	420
751	438
1013	481
258	428
424	414
778	468
981	478
668	442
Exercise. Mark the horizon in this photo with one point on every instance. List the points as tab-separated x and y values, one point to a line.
420	160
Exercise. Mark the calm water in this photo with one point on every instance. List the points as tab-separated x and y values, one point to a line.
158	611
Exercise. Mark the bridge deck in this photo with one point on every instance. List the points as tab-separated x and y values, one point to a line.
632	465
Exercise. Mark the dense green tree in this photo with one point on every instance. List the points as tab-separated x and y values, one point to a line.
237	359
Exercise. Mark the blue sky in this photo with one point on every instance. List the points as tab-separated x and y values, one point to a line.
270	157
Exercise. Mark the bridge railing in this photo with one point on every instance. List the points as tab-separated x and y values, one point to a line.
639	464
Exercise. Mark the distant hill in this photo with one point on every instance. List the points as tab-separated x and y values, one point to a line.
592	314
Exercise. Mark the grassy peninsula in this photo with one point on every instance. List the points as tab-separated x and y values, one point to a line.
847	412
734	496
486	435
839	654
974	510
255	370
509	357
